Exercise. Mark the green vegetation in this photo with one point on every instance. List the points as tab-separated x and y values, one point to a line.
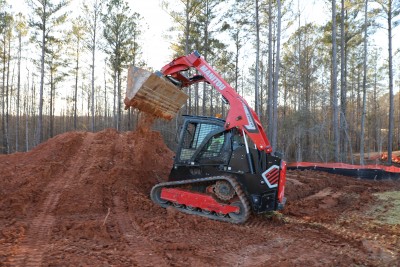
389	210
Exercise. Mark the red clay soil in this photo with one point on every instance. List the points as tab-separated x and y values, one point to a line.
82	199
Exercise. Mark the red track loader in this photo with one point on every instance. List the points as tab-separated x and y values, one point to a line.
223	169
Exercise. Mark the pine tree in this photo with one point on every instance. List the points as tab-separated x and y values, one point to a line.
21	29
335	126
390	9
46	16
77	36
121	30
91	18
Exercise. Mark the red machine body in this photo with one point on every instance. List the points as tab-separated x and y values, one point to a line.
240	114
221	187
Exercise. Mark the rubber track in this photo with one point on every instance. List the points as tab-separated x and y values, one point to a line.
236	186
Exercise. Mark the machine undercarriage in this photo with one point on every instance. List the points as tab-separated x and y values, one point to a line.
219	198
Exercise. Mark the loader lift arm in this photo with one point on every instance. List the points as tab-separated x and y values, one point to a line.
240	115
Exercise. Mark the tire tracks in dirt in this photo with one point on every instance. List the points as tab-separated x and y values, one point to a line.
34	244
387	244
383	248
140	246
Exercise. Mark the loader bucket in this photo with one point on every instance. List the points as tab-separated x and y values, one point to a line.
153	94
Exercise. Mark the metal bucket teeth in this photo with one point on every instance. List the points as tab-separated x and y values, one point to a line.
153	94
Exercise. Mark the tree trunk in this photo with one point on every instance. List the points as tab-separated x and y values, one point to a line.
119	100
51	128
187	33
92	94
256	86
364	104
39	136
270	71
391	104
93	62
187	28
18	94
105	120
76	84
237	46
343	89
3	96
26	122
335	125
115	99
8	96
276	79
376	111
206	50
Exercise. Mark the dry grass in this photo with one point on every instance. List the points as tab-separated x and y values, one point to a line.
389	211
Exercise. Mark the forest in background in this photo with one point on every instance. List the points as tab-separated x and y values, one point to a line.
323	92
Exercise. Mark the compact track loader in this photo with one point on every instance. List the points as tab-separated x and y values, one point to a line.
223	169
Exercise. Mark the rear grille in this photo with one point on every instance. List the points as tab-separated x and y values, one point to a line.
271	176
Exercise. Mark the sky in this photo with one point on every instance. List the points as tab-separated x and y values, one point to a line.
156	21
156	51
156	48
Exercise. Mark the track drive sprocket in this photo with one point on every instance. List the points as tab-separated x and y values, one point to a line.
224	190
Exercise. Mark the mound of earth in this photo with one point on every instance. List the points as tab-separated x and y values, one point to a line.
82	199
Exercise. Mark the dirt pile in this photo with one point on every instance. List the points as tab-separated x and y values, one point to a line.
82	199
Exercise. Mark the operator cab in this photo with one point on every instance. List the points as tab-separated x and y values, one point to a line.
203	140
